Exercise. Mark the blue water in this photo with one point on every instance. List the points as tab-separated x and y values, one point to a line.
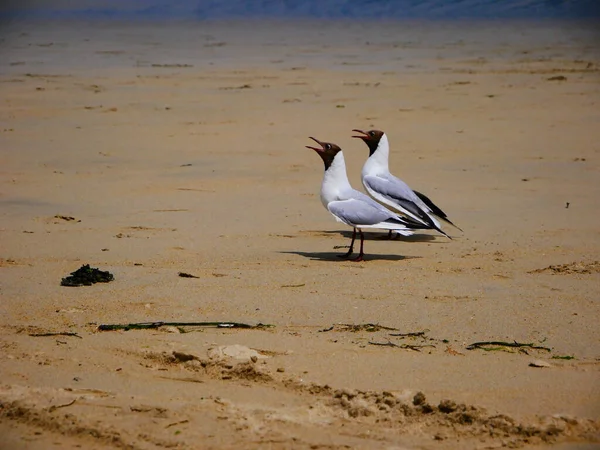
352	9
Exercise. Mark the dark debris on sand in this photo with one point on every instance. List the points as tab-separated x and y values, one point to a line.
86	276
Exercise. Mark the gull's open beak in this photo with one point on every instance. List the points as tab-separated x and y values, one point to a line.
318	150
365	135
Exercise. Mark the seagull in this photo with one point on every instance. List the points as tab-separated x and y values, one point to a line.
350	206
393	192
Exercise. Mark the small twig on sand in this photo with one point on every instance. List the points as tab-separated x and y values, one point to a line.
326	329
155	325
514	344
416	334
384	344
186	275
453	352
55	334
188	379
53	407
416	348
177	423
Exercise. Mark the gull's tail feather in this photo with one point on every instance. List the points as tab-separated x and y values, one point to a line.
427	223
436	210
397	225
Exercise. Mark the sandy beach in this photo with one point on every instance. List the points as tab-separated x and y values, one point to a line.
149	150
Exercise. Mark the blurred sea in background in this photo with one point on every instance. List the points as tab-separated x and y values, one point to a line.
295	9
56	35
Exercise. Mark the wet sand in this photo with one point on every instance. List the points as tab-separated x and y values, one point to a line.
180	148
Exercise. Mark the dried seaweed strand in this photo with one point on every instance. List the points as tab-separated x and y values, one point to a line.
155	325
514	344
416	348
415	334
65	333
366	327
53	407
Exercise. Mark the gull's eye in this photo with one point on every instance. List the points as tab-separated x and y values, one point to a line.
372	133
328	146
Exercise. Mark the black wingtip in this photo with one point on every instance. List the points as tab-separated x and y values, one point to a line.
436	209
444	233
452	223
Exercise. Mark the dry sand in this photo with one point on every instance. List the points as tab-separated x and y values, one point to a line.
181	149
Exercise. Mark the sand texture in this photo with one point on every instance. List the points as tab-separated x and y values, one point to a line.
148	150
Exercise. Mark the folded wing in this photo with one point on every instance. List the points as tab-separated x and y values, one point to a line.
355	212
396	194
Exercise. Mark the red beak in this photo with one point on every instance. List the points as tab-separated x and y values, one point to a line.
365	135
318	150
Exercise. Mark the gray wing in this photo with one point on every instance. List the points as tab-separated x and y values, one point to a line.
357	195
398	192
355	212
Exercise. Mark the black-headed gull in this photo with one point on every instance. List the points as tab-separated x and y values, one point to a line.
350	206
392	191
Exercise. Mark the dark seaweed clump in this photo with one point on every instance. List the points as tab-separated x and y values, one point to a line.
86	276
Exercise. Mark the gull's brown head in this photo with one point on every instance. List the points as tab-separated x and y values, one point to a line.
371	138
327	151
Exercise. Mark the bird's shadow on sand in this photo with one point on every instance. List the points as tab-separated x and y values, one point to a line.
335	257
383	237
369	236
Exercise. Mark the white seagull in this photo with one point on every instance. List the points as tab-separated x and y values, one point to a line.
350	206
392	191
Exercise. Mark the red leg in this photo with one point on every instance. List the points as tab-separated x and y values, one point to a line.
351	250
361	254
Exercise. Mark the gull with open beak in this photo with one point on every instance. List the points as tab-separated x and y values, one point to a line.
350	206
392	191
